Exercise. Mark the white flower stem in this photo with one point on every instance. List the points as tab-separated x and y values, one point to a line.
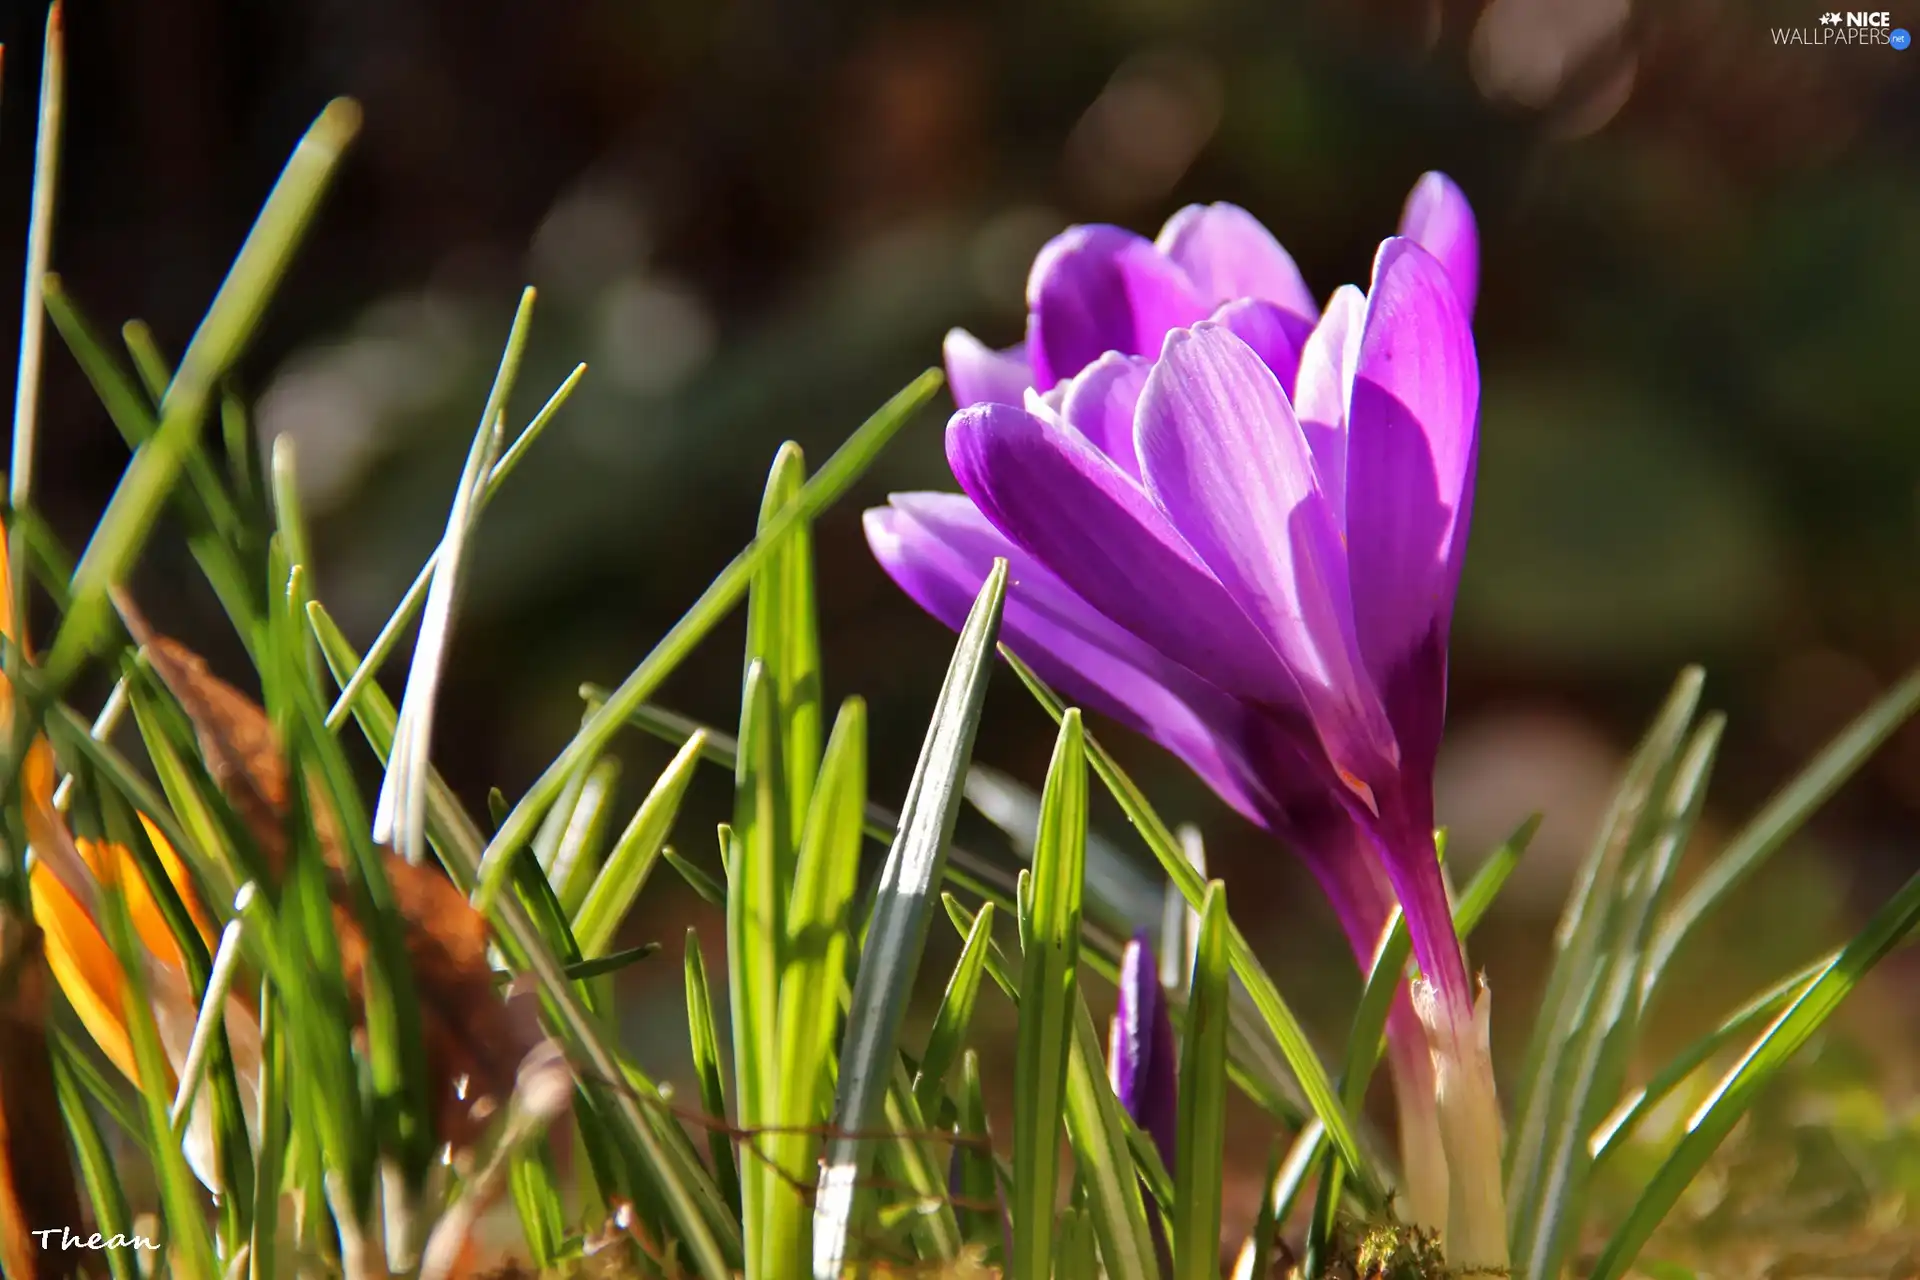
1469	1117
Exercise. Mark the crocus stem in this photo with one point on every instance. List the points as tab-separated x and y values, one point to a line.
1423	1158
1469	1116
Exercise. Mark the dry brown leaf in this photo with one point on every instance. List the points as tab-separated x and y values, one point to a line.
475	1040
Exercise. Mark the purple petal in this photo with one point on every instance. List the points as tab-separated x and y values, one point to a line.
1140	1054
1051	492
1320	396
1099	403
1098	289
1412	437
980	375
939	548
1225	459
1438	217
1276	336
1230	254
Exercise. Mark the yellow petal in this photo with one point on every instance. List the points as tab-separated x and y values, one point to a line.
84	966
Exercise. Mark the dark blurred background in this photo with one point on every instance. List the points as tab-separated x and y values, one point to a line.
754	220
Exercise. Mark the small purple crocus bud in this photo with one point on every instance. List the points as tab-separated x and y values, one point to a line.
1140	1053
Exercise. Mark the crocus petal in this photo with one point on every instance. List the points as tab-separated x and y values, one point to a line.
1320	395
1412	430
1140	1054
1438	218
84	965
1275	335
1229	253
939	548
1224	457
1052	493
1099	403
978	374
1097	289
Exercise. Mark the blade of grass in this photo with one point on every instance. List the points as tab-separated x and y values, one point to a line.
1611	1135
383	645
180	1195
1605	1032
1098	1131
841	470
1715	1118
1779	819
1051	943
814	957
214	528
33	316
908	1160
706	1069
782	632
955	1014
98	1172
625	872
1200	1159
400	817
977	1195
577	856
896	933
229	322
1280	1021
1577	942
965	869
754	922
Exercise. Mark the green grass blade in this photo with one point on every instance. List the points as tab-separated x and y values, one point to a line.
827	485
1048	990
33	316
400	817
686	1194
897	931
1577	941
229	322
577	856
783	633
978	1194
1274	1012
416	595
1595	1063
955	1014
1780	819
1200	1160
910	1161
818	922
181	1198
270	1155
625	872
214	527
98	1172
1103	1155
755	920
697	878
1715	1119
964	870
706	1069
1611	1135
536	1198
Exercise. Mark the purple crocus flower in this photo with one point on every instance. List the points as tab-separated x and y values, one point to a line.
1140	1052
1236	525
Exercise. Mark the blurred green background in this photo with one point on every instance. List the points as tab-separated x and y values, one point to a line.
754	220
